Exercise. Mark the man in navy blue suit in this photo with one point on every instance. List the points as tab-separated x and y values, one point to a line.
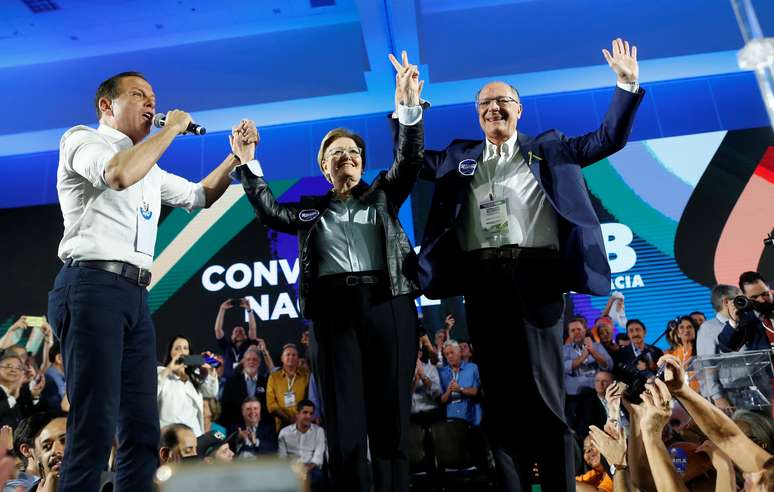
511	227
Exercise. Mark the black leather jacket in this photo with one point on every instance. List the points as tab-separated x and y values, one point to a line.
387	193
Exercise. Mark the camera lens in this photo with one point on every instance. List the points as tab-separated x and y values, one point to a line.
741	302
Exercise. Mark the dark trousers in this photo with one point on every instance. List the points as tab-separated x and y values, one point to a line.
109	350
514	313
365	359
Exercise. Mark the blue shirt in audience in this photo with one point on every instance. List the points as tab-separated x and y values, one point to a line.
460	406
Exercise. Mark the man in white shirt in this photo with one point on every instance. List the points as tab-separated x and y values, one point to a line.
111	191
305	442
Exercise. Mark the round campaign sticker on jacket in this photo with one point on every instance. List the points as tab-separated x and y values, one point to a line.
308	214
467	167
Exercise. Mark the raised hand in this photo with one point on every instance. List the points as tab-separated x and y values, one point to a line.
657	407
612	447
408	87
674	374
623	61
243	140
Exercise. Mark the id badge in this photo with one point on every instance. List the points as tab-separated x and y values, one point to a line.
290	399
494	219
146	231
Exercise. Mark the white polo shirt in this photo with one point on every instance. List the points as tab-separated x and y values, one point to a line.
101	223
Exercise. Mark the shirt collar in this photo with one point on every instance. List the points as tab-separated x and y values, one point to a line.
251	378
507	149
721	317
116	136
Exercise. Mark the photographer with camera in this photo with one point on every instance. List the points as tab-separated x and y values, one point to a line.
184	381
750	316
234	347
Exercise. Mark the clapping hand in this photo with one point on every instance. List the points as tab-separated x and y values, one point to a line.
623	61
408	87
613	396
612	446
38	384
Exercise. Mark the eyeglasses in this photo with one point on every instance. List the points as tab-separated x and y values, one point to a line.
339	153
12	368
501	101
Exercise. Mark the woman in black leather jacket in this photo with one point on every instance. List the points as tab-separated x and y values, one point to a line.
358	287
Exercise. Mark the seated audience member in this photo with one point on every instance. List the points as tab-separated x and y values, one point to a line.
460	384
286	387
247	382
178	443
211	415
592	405
707	342
234	346
752	329
582	359
212	447
181	389
596	474
38	437
53	392
685	349
17	399
254	439
43	441
426	389
305	443
638	355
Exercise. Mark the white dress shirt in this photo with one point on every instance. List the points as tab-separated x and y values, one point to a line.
101	223
307	447
502	173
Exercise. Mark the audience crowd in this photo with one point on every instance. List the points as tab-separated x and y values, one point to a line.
693	417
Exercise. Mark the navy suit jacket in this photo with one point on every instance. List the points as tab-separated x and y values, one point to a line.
556	162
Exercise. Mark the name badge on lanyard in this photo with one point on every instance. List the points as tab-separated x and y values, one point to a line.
494	220
146	230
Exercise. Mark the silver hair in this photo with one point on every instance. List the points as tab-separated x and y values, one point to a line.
721	292
451	343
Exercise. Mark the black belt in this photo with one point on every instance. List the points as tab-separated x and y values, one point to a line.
513	252
349	280
139	276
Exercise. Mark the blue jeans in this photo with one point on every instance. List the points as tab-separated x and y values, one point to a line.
109	350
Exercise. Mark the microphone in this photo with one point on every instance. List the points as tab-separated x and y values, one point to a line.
160	119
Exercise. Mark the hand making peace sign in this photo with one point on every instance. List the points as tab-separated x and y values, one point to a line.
408	87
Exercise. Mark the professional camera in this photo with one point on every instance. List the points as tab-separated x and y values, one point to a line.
635	380
743	304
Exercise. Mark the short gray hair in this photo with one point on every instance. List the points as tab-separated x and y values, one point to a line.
721	292
451	343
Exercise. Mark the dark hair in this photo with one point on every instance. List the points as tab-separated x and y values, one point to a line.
56	349
110	88
169	437
335	134
30	428
750	278
168	354
639	322
250	399
578	319
305	403
695	326
697	312
621	336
